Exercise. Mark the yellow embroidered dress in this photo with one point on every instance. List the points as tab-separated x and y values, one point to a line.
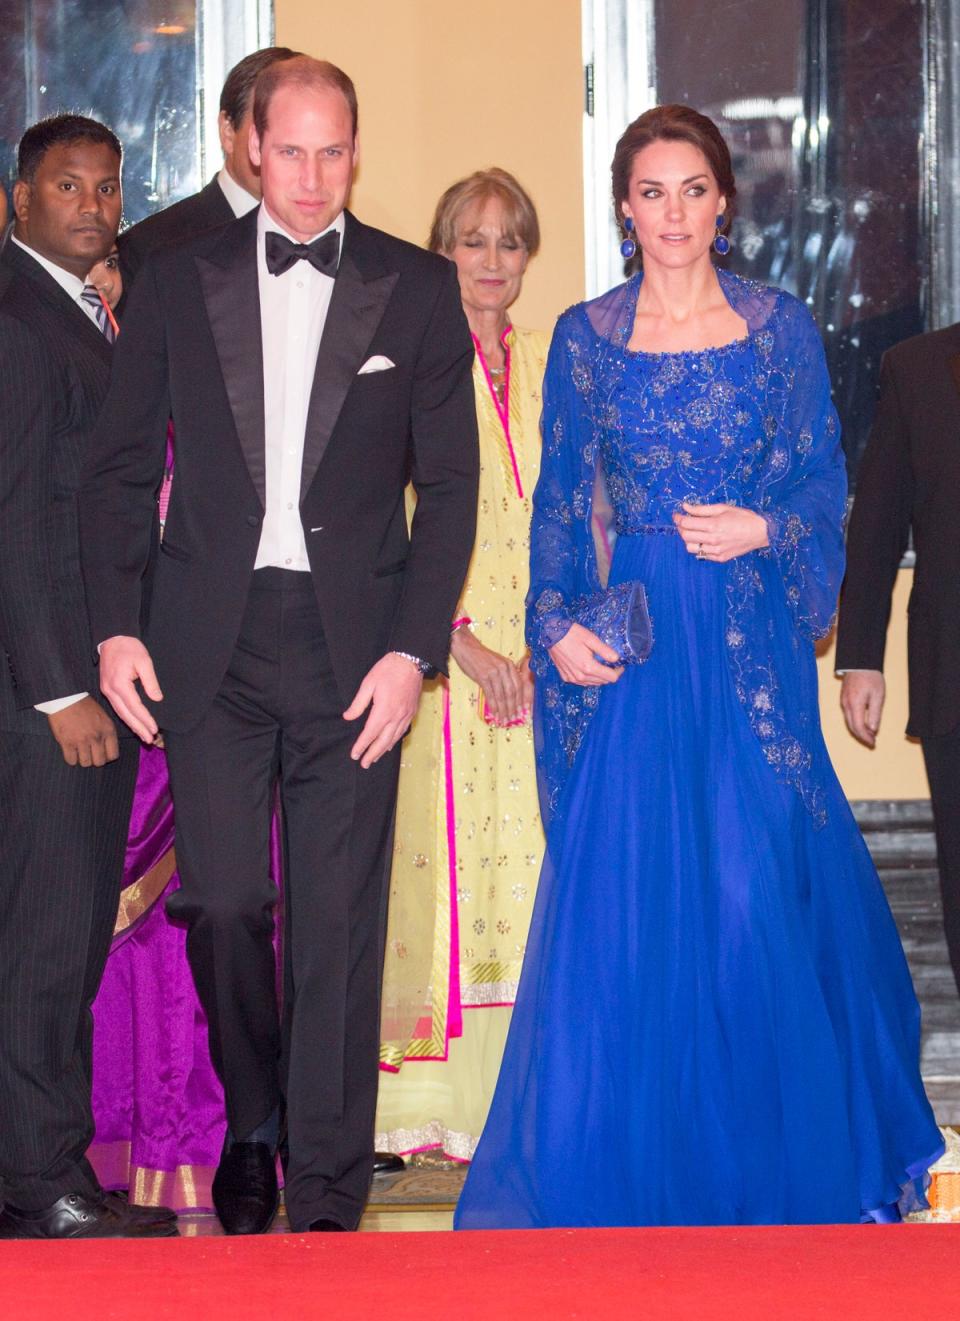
468	841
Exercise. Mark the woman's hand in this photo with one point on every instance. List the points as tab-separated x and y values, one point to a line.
721	532
506	693
575	656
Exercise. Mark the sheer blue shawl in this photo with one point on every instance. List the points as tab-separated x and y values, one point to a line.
800	489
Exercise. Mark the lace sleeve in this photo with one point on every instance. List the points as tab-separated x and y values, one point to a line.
553	534
803	496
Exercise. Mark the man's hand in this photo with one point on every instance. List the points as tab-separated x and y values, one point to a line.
122	661
862	694
721	532
393	686
505	689
86	734
575	656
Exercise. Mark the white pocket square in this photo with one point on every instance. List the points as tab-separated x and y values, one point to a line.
378	363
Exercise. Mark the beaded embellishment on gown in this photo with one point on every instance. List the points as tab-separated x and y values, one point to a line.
715	1022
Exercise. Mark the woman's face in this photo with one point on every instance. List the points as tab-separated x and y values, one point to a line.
674	201
105	277
490	263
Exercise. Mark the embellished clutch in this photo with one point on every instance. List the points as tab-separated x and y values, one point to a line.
619	617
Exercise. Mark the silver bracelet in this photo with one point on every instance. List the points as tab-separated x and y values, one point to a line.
423	666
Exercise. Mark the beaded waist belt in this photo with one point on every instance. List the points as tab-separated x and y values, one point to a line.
642	529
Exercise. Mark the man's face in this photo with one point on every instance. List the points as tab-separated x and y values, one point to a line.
306	158
236	151
70	211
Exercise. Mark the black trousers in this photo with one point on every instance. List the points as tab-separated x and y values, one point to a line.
942	758
63	831
278	715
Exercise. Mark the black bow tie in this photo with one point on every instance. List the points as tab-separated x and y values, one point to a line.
322	254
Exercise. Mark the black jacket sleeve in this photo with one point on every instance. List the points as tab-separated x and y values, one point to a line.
879	532
124	469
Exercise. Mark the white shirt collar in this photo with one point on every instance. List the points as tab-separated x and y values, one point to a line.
69	283
240	200
265	222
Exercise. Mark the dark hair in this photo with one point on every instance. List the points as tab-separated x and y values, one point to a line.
519	213
56	131
306	72
672	123
238	89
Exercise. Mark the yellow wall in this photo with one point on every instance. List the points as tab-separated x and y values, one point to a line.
894	769
445	89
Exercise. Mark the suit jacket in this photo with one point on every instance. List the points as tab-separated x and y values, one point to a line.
909	479
54	372
191	348
206	210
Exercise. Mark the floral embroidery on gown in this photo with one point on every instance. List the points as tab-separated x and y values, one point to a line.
715	1022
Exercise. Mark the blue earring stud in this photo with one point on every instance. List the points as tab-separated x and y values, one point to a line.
628	247
721	244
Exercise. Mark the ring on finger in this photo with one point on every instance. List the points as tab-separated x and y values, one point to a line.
700	554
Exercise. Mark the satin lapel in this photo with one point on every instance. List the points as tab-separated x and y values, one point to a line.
954	361
228	278
356	310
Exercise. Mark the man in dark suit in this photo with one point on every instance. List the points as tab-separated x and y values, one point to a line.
312	365
66	779
230	194
908	479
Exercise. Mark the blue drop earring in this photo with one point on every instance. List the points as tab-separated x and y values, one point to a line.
721	244
628	247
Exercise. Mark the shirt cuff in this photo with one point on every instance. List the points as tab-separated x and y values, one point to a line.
59	704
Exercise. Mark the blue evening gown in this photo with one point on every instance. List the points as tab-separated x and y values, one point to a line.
715	1022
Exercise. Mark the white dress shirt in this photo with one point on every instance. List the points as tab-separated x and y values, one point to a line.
74	287
293	312
240	200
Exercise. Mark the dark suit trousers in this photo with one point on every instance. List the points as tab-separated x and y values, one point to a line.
278	714
63	830
942	757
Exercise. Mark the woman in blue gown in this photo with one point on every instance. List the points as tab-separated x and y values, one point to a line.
715	1022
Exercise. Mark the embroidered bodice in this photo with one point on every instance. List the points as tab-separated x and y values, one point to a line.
683	426
751	423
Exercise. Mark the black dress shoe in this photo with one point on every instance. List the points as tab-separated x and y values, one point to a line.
245	1193
327	1227
79	1216
157	1215
385	1162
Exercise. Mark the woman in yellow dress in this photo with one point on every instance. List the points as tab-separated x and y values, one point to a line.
469	841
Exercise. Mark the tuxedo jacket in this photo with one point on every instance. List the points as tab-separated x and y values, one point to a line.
191	349
54	372
909	478
206	210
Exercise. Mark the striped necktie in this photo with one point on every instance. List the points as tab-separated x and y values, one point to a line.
91	295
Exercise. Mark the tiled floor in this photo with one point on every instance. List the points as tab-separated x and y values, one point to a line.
904	850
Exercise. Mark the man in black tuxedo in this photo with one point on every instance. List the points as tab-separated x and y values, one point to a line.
66	778
908	479
312	366
230	194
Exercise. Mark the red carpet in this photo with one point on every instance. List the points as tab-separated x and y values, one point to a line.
869	1272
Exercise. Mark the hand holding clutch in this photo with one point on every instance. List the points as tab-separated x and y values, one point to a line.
619	617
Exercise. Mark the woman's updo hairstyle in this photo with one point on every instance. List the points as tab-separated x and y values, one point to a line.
672	123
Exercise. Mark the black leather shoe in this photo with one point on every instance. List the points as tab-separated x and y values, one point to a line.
385	1162
157	1215
245	1193
79	1216
327	1227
